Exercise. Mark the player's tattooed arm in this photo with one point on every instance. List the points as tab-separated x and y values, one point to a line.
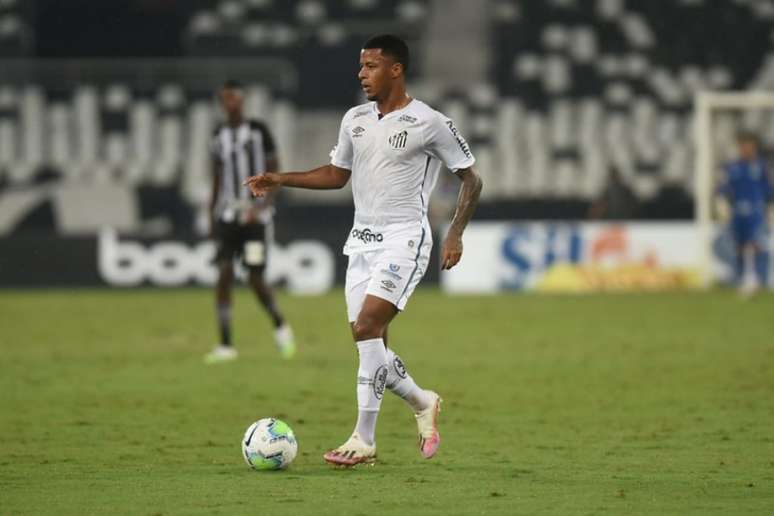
327	177
466	206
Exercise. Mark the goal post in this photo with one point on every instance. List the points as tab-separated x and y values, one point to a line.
707	164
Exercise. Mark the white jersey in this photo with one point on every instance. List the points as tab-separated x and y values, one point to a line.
395	162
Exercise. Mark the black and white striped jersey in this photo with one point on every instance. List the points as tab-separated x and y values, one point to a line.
241	152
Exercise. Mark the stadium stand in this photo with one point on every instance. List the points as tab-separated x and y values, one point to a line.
321	38
15	28
577	88
586	88
283	26
112	134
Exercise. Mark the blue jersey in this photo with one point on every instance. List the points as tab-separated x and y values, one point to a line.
747	188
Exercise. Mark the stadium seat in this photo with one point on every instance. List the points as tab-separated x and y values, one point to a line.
561	58
16	34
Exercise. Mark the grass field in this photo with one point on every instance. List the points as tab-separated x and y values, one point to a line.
630	404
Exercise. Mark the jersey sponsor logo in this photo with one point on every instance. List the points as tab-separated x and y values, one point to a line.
460	140
367	236
407	119
357	132
398	140
361	113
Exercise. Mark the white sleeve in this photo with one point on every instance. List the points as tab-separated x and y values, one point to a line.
444	141
341	155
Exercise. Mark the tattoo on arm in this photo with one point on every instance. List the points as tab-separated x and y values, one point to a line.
467	200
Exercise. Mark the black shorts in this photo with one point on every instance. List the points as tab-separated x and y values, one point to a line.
245	241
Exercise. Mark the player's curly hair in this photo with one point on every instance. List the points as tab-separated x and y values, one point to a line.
392	46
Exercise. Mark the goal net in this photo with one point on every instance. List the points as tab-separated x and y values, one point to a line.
720	117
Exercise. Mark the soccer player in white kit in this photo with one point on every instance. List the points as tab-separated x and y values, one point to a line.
392	148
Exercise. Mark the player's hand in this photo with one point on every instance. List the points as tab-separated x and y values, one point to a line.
451	251
262	184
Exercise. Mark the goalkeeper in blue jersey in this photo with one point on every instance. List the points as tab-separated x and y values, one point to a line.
747	191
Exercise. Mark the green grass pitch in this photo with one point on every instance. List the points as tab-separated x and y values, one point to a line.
604	404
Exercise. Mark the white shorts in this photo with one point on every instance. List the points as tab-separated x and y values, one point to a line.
390	275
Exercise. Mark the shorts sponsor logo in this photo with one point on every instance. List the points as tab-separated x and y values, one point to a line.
400	369
254	253
380	381
366	235
388	285
394	268
391	274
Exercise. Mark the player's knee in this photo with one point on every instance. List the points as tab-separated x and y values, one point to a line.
367	327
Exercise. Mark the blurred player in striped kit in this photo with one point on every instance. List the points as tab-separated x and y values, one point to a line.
746	192
240	223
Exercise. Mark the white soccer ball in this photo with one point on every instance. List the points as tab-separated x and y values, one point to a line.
269	444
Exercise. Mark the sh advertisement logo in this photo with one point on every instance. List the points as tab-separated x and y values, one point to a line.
529	251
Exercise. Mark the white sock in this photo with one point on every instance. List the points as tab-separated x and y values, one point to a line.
749	279
371	378
401	383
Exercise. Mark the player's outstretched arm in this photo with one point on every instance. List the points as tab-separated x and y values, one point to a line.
467	201
327	177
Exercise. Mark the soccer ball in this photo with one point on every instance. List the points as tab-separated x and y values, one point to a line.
269	444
